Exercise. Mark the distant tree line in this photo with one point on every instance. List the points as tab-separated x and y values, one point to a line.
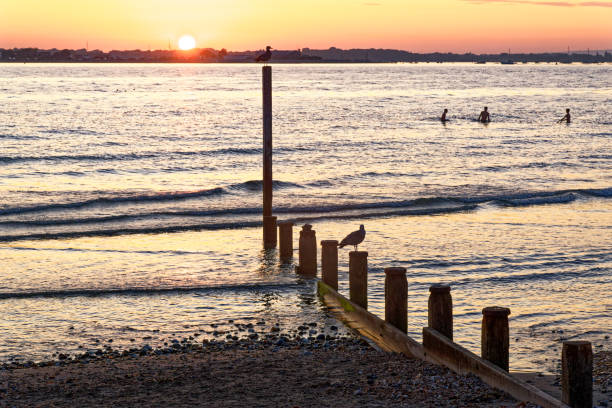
210	55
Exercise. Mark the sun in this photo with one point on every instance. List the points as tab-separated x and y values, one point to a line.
186	42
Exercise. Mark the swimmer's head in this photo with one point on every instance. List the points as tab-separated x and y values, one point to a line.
567	110
486	108
445	110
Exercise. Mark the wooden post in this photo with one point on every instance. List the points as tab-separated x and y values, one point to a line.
440	310
308	251
329	262
269	231
358	278
496	336
577	374
396	298
285	237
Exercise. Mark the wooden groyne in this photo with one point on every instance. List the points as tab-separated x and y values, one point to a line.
390	334
438	347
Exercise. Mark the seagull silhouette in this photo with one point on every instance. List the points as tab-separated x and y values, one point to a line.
354	238
265	57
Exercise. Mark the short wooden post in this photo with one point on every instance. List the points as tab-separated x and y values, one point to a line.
329	262
396	298
577	374
285	237
269	231
440	310
358	278
308	251
496	336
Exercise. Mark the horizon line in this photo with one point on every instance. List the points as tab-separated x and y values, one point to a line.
509	52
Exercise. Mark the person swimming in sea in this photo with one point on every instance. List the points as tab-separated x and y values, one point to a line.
567	118
484	116
443	117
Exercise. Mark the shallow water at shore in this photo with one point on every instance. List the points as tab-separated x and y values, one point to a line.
545	289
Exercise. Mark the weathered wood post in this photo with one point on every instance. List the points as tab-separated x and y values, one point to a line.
577	374
308	251
496	336
440	310
269	226
329	262
396	298
358	278
269	223
285	238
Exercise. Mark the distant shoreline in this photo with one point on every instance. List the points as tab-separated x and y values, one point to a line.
305	55
301	62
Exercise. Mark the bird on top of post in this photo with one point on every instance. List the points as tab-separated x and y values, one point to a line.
265	57
354	238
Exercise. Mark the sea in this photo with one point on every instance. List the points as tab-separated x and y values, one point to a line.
131	198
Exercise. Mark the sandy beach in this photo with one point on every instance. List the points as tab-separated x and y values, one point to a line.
270	372
265	373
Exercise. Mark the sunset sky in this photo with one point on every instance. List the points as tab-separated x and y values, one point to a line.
415	25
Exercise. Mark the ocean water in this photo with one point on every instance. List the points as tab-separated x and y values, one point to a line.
130	197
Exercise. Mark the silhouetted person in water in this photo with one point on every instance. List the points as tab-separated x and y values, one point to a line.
484	116
567	118
265	57
443	117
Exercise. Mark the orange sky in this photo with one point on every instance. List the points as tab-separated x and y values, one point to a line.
415	25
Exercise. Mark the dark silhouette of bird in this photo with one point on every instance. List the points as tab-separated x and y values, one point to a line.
354	238
265	57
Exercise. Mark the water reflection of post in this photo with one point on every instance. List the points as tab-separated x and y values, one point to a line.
269	263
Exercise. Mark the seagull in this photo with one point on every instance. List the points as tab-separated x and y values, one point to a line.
265	57
354	238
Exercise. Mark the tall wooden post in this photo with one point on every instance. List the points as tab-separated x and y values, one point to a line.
358	278
440	310
496	336
329	262
396	298
269	227
577	374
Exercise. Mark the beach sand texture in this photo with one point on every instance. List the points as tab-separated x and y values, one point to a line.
348	374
